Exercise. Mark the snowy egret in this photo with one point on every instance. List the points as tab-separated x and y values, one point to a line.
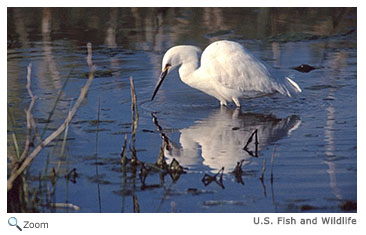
227	71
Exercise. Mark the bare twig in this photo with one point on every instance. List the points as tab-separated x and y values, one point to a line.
29	116
135	119
89	57
56	133
29	69
30	123
123	153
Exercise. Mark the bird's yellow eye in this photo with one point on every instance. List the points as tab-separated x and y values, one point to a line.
167	66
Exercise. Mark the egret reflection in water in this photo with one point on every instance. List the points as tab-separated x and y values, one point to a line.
221	137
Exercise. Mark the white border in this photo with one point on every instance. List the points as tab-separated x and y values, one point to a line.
186	223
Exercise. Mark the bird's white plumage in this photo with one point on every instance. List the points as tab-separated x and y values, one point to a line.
227	71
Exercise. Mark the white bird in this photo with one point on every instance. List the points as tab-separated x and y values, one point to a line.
226	71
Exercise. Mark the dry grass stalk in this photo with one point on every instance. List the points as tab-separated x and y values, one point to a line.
136	206
16	147
56	133
123	154
135	118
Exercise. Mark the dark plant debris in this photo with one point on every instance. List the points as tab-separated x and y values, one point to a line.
251	153
72	175
175	170
143	173
160	130
136	206
208	179
161	159
307	207
195	191
238	172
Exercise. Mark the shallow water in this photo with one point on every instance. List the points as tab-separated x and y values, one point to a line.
311	138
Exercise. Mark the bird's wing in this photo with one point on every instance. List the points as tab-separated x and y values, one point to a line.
234	67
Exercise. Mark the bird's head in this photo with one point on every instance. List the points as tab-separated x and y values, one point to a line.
173	58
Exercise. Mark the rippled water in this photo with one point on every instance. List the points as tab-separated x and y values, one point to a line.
311	138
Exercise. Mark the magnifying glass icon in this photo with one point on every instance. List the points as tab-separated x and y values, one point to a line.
12	221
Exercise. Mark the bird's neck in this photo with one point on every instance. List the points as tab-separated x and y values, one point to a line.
186	72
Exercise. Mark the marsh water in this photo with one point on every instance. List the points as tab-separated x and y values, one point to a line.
308	143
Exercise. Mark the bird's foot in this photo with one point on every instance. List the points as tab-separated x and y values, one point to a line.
236	101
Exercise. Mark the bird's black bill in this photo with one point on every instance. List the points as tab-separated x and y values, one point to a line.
158	84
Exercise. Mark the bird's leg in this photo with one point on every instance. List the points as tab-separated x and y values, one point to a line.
236	101
223	102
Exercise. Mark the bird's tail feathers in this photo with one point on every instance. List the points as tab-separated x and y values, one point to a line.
291	87
294	85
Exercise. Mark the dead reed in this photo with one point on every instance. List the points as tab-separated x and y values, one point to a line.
135	119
